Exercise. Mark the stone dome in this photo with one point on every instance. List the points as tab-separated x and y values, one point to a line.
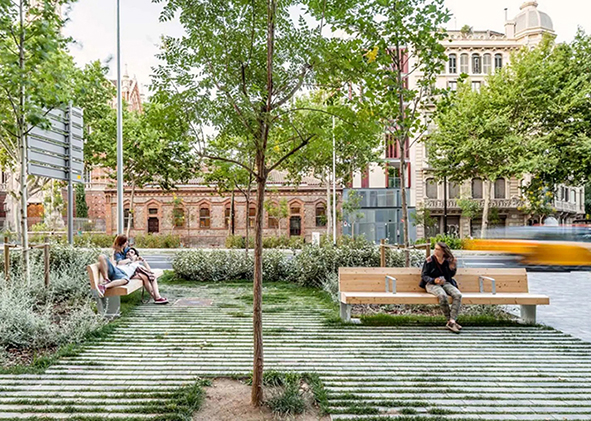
531	19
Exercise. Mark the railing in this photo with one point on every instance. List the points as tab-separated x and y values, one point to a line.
383	246
566	206
8	246
494	203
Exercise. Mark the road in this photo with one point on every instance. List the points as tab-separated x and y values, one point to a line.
569	292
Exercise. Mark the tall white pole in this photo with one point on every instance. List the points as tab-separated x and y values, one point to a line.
334	185
119	129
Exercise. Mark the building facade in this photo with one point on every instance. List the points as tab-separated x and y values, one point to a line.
202	217
475	53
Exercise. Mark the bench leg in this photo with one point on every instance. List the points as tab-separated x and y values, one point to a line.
345	312
108	306
528	313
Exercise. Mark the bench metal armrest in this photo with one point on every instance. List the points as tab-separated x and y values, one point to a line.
393	280
488	278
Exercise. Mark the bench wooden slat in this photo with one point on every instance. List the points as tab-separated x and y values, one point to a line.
425	298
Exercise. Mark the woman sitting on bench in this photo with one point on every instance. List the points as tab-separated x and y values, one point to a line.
437	278
116	276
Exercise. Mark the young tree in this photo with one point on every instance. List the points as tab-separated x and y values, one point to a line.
421	217
474	138
401	42
81	205
236	71
278	212
351	208
36	75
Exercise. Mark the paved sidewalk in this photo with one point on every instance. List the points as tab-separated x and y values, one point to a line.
386	372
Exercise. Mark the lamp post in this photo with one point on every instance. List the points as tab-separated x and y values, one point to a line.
445	205
334	188
119	129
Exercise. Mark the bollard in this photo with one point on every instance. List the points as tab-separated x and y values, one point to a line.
428	248
383	253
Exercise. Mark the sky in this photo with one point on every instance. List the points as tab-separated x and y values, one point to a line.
92	24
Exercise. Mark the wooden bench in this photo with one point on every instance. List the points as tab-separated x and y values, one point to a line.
110	304
401	286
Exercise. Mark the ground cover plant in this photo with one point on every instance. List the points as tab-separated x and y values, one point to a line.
40	324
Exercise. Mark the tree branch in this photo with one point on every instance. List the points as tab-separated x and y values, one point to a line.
290	153
297	87
231	161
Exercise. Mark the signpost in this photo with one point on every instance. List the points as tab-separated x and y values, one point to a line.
57	152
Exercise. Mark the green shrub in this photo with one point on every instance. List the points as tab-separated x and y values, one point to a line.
157	241
454	243
273	242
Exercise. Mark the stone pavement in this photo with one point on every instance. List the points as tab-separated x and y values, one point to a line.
512	373
570	301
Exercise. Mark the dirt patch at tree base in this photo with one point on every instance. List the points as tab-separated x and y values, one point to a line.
229	400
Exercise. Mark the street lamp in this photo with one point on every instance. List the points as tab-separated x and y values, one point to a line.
119	129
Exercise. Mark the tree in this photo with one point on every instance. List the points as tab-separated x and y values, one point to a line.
351	208
81	205
36	75
401	43
421	217
356	145
235	71
277	211
474	138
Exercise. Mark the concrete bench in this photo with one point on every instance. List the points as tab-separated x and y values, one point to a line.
110	304
401	286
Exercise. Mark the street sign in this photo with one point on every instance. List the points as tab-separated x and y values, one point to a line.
57	152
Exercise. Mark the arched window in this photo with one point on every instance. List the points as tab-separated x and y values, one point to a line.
498	61
295	220
228	216
431	188
204	217
573	196
126	215
320	215
476	64
500	188
464	59
453	64
477	188
178	217
252	213
487	64
453	191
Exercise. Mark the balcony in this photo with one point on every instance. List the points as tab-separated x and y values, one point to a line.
567	207
512	203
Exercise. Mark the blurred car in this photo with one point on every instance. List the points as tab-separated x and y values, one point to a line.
565	246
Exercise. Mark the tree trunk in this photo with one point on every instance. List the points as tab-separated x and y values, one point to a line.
403	203
257	315
487	189
232	213
246	238
23	140
131	210
328	210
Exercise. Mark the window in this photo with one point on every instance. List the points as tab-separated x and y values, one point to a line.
453	190
476	86
295	220
477	188
273	222
453	64
393	177
452	85
227	216
252	212
431	188
476	64
178	216
126	215
204	217
500	188
573	196
498	61
464	59
321	215
152	211
487	64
